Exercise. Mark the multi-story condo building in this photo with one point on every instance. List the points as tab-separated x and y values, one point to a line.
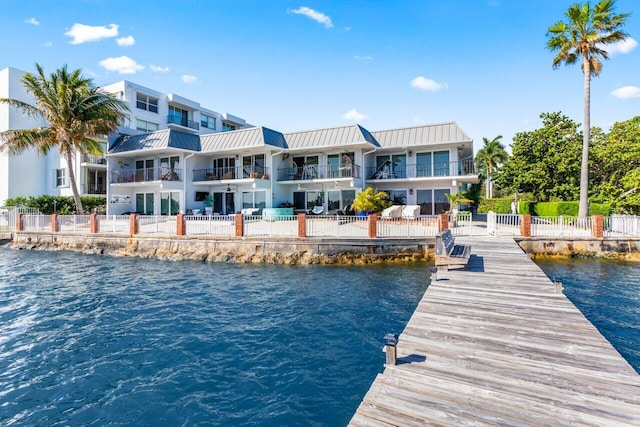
31	174
169	171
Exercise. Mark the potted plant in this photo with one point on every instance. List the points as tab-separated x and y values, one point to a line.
370	200
208	204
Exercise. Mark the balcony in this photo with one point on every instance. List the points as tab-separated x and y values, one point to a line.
93	159
146	175
176	119
311	172
100	189
445	169
233	172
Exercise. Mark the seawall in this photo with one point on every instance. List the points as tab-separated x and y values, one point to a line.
610	247
287	251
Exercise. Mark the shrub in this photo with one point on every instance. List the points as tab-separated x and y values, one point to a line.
501	206
569	209
64	205
525	208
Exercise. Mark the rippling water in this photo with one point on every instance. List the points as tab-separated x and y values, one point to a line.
608	294
99	340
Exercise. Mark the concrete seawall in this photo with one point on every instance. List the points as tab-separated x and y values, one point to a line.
246	250
617	248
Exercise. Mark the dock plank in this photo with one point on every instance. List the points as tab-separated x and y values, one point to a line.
495	344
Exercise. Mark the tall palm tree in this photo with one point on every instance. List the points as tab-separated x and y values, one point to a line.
489	157
584	37
75	111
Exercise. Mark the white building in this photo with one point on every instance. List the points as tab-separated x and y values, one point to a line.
31	174
168	172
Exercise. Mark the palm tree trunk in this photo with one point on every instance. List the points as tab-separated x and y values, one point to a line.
69	157
583	209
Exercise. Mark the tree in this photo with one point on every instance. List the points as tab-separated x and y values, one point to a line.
544	162
371	200
76	113
489	157
457	199
583	37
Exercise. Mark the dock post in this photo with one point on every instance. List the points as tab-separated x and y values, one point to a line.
239	225
54	223
390	342
373	225
434	274
302	225
133	224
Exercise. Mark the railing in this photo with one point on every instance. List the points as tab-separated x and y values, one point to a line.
73	223
621	225
337	226
146	175
36	222
561	226
461	224
284	226
8	216
233	172
157	224
96	160
182	121
117	224
503	224
94	189
207	225
309	172
444	169
423	226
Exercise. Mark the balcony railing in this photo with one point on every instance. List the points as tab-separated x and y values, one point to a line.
94	189
146	175
96	160
309	172
179	120
466	167
233	172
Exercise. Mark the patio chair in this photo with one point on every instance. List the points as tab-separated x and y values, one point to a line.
317	210
394	211
411	211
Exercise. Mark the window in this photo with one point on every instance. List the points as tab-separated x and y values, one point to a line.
398	197
226	127
61	177
253	166
144	203
394	166
254	199
340	199
207	121
145	126
178	116
146	102
170	203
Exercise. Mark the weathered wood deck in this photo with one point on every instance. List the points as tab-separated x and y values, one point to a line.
496	345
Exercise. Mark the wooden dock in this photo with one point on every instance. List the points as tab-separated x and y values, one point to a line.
495	344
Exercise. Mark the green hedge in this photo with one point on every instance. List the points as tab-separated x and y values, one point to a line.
526	208
569	209
63	205
501	206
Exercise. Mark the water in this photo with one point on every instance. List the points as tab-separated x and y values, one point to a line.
608	294
91	340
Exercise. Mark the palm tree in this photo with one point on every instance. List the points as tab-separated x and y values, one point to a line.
371	200
489	157
75	111
457	199
584	37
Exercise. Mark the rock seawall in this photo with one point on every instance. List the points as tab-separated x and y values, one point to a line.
610	247
248	250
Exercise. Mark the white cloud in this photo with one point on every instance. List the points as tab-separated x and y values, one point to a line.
188	79
121	65
424	83
319	17
81	33
159	69
363	58
626	92
625	46
48	43
126	41
32	21
354	116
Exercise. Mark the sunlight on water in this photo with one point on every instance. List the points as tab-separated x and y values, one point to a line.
99	340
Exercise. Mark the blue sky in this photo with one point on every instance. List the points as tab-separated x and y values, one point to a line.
294	65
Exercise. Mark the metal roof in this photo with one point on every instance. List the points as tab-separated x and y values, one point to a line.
242	139
330	137
167	138
440	133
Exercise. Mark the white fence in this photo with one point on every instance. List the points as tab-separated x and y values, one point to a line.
503	224
425	226
283	226
74	223
337	226
117	224
8	216
621	226
207	225
36	222
561	226
461	224
157	224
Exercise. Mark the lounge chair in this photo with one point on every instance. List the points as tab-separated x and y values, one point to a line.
411	211
394	211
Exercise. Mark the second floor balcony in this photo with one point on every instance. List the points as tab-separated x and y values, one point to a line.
311	172
231	172
444	169
94	159
145	175
177	119
94	189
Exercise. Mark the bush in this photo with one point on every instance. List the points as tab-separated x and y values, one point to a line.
569	209
64	205
525	208
501	206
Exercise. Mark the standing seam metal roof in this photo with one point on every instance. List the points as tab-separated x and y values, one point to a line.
242	139
330	137
421	135
167	138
